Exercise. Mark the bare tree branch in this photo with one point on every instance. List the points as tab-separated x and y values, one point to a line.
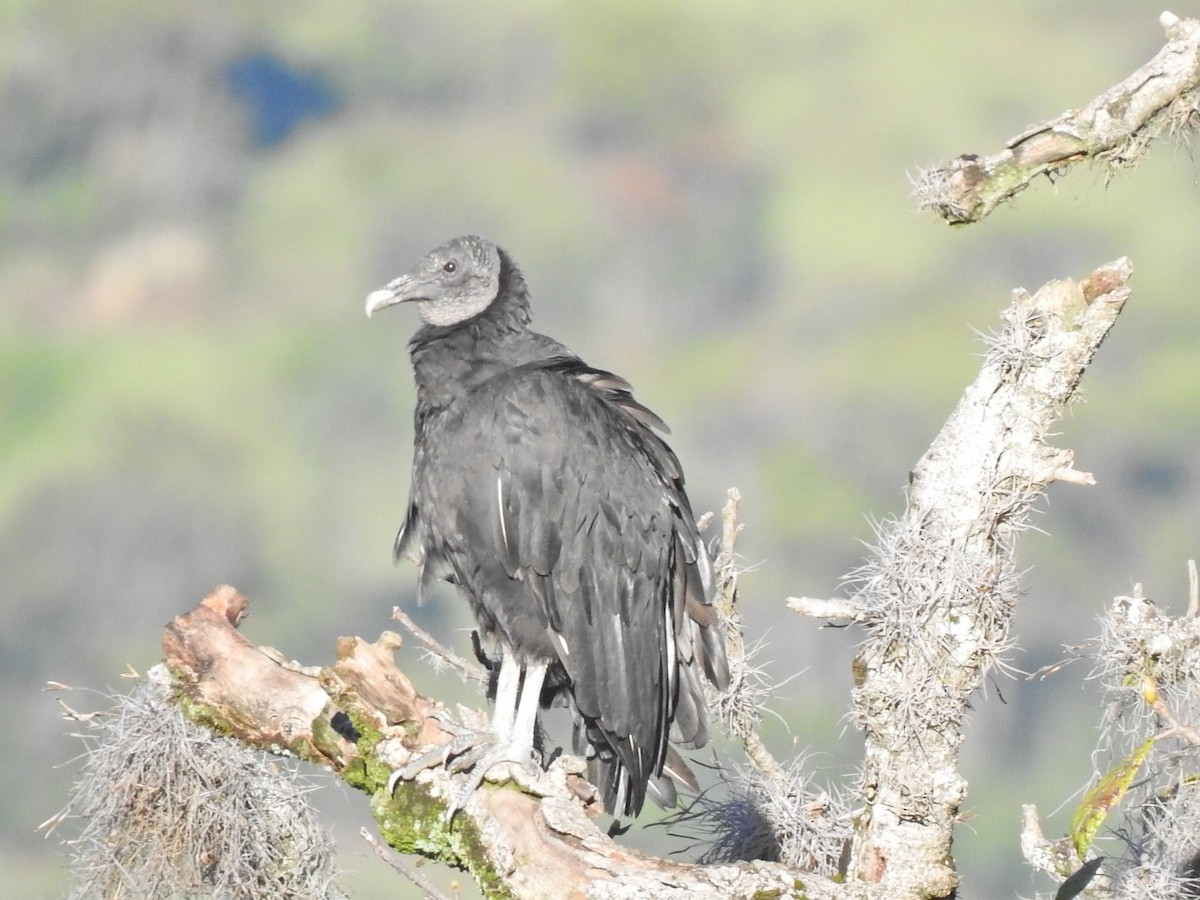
741	706
404	869
938	594
439	652
1115	128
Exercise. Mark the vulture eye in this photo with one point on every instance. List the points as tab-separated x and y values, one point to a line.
450	266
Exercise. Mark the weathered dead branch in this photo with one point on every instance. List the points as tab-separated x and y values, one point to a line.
938	594
1115	129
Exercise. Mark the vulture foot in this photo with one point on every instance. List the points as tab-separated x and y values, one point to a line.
482	756
499	763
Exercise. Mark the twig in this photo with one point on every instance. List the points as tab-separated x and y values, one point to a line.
402	867
1177	728
467	670
741	706
726	565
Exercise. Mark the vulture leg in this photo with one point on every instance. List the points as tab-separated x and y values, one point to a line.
521	739
466	746
508	686
516	746
510	739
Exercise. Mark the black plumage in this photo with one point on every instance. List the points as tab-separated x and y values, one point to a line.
541	488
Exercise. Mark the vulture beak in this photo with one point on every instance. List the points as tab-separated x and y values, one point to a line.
399	290
377	300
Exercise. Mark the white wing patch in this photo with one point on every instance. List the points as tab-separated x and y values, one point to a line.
669	638
619	633
563	649
500	509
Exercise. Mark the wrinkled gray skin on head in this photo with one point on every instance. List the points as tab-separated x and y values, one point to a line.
451	284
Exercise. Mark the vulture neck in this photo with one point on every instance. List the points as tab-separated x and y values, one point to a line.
451	359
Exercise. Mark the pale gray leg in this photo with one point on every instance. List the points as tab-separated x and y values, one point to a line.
514	719
517	748
521	740
508	685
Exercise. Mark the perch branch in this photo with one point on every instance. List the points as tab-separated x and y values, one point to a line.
362	718
1115	128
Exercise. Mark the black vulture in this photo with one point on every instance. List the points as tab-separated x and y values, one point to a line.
542	490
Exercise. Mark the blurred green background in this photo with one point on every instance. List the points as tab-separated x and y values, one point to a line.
712	199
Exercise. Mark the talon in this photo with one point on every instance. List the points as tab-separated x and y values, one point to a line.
393	779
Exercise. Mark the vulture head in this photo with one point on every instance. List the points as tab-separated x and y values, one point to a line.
451	284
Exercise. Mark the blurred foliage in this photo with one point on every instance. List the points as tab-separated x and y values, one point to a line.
710	198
